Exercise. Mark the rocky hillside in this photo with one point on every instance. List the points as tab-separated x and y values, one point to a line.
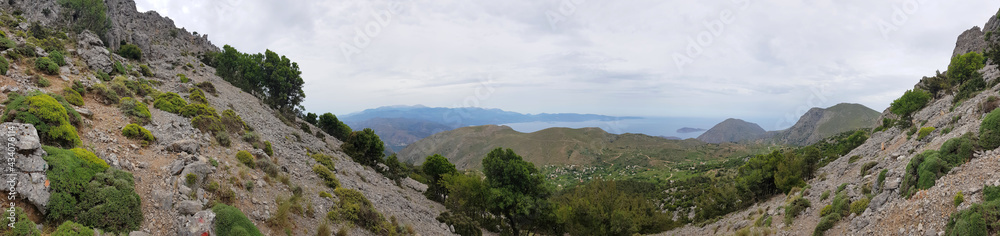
179	172
820	123
466	147
874	180
732	130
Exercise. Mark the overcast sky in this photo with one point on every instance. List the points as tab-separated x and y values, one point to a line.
764	60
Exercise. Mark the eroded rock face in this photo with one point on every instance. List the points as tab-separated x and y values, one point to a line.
22	146
972	40
92	50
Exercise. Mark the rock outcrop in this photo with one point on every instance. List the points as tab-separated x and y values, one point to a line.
24	149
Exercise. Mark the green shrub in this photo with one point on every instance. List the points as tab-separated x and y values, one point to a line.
267	148
853	159
989	131
962	67
233	122
46	65
794	208
58	58
184	78
246	158
208	87
922	171
325	194
826	210
959	198
269	168
109	96
354	207
130	51
329	178
207	123
825	195
969	88
51	118
135	110
169	102
867	166
223	139
881	177
924	132
4	66
198	109
134	131
197	96
841	187
6	43
826	223
70	228
191	179
90	158
95	195
123	86
103	76
859	206
42	82
73	97
144	69
958	150
231	221
911	101
991	193
967	222
22	224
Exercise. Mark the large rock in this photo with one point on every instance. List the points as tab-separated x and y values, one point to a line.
184	145
29	167
92	50
972	40
188	207
200	169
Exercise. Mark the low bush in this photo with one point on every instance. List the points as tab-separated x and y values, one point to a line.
46	65
103	76
208	87
70	228
169	102
108	95
144	69
223	139
58	58
231	221
268	168
191	179
207	123
42	82
794	208
4	66
135	110
246	158
72	96
958	150
184	78
354	207
989	131
267	148
197	96
329	178
325	194
90	158
826	223
86	189
881	177
50	117
134	131
233	122
825	195
853	159
22	224
867	166
924	132
921	172
859	206
130	51
198	109
959	198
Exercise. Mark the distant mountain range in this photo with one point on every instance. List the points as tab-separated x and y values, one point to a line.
399	126
689	130
815	125
466	147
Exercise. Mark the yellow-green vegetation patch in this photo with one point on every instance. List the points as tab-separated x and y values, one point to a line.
90	157
169	102
328	177
134	131
355	208
197	96
50	118
231	221
72	96
198	109
184	78
22	224
108	95
207	123
47	66
233	122
246	158
135	110
978	219
924	132
91	193
70	228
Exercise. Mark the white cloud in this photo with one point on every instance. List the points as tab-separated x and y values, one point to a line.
612	58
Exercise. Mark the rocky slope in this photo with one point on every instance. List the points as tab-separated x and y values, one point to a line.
732	130
820	123
169	206
927	212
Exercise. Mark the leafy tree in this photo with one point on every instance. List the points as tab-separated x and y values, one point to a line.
436	166
758	174
516	188
911	101
311	118
963	66
789	172
364	146
603	208
333	126
275	79
130	51
89	15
